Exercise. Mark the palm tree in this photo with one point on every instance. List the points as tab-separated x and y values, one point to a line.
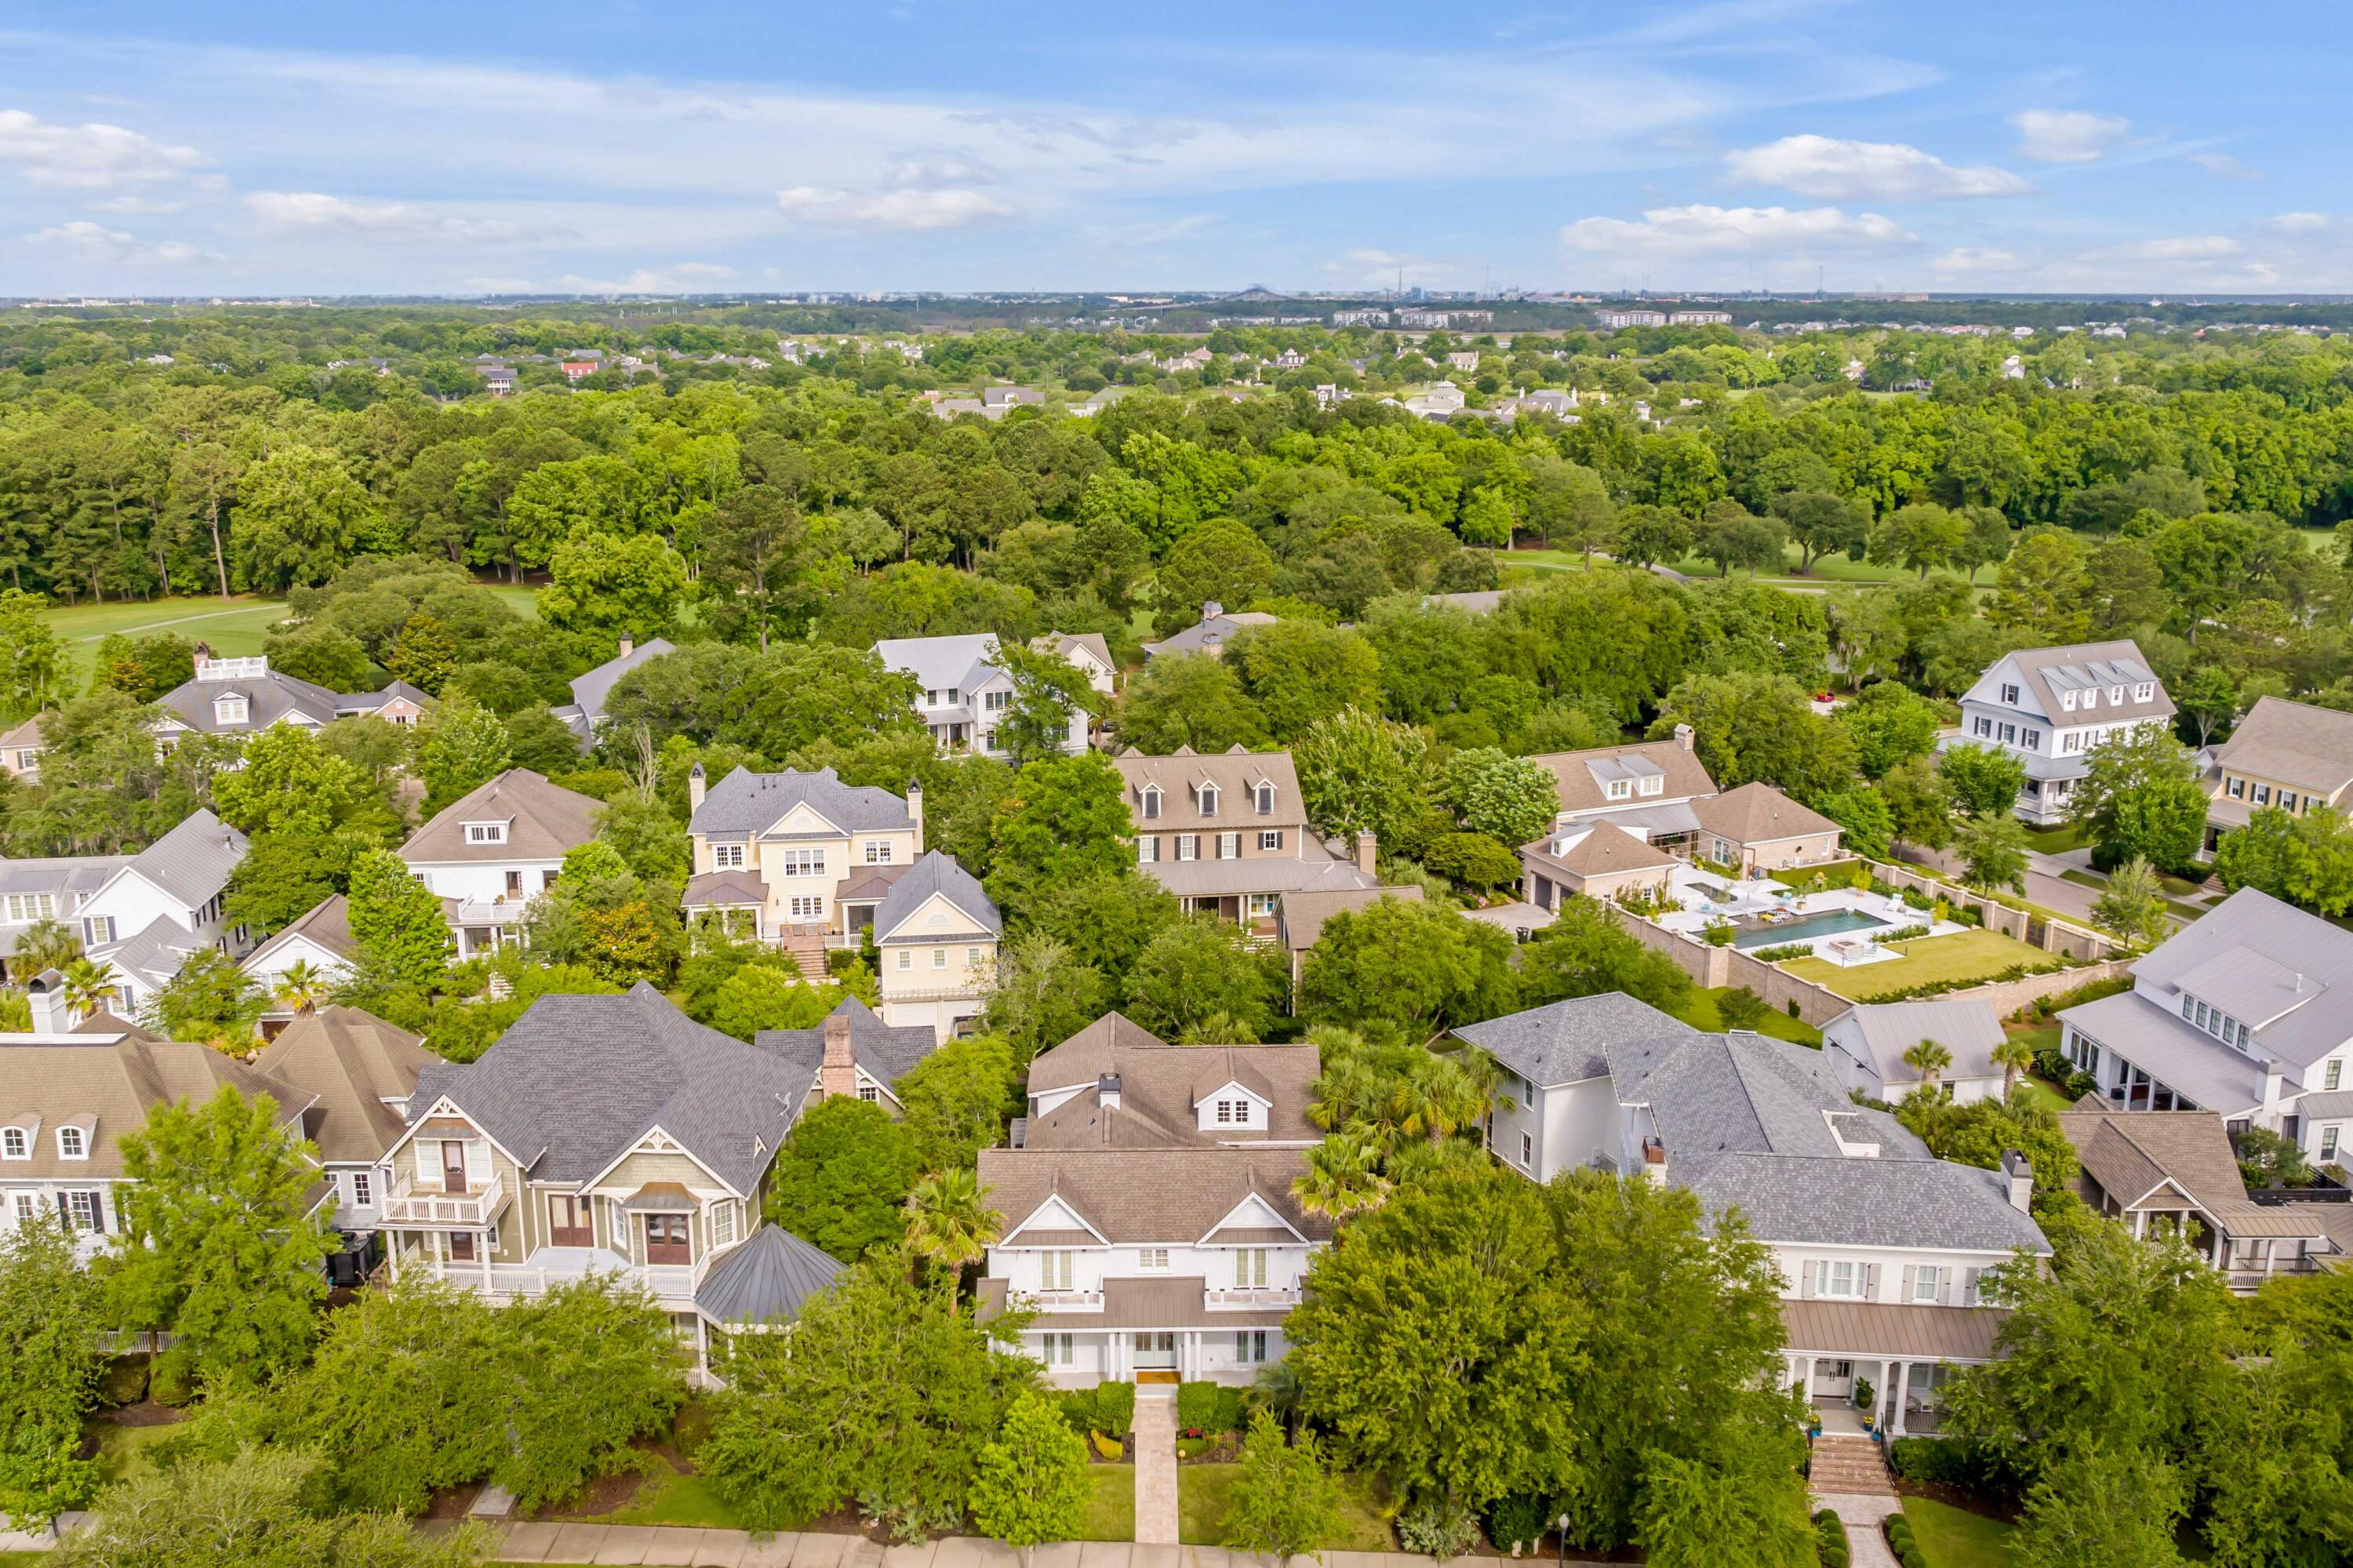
90	986
948	1220
2014	1055
302	988
46	944
1220	1028
1928	1059
1343	1176
1435	1098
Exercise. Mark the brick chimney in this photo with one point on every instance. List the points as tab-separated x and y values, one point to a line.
1366	852
2015	1166
838	1074
695	788
1683	736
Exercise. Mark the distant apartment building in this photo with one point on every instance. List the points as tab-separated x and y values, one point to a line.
1612	321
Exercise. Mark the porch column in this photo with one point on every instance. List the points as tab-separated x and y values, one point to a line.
1806	1380
1886	1391
1903	1395
2140	1224
483	1243
2271	1254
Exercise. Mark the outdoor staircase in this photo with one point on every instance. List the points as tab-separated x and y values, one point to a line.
804	945
1848	1467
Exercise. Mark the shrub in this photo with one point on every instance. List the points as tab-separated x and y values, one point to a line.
1208	1408
1114	1408
1078	1408
1719	934
2050	1006
172	1381
1900	1541
1793	1007
1513	1520
1917	899
1437	1530
1904	934
1786	950
1831	1544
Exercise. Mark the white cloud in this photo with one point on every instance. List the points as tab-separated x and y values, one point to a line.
2223	166
390	222
2189	248
1978	259
91	157
900	211
2066	135
501	286
99	246
2300	222
1668	233
1838	170
1370	267
678	278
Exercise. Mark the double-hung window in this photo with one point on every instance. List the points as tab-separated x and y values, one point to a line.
877	851
1152	1257
727	857
1056	1348
1843	1279
1250	1268
806	905
82	1211
1250	1346
1270	840
1230	846
363	1189
1188	846
1928	1283
1147	848
803	862
2336	1073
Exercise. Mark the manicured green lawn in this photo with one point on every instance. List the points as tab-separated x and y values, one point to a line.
2059	839
1955	1537
121	1451
231	628
1964	954
1701	1014
1110	1503
1204	1493
677	1498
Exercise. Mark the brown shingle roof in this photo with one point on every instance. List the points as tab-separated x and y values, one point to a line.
1155	1196
1159	1085
1758	814
327	923
2130	1153
1606	849
1581	792
1305	912
1181	774
543	821
349	1063
2288	743
118	1082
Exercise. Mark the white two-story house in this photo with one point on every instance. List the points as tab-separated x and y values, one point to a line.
486	855
602	1135
2247	1013
162	905
2049	706
962	696
1158	1232
1881	1246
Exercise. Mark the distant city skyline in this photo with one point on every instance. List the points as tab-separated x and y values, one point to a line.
529	148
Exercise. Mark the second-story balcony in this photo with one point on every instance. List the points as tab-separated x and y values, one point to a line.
501	911
672	1285
965	992
1060	1300
1260	1298
432	1208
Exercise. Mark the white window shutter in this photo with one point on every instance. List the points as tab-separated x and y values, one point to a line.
1911	1281
1871	1282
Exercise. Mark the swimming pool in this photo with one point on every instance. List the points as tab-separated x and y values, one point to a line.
1829	924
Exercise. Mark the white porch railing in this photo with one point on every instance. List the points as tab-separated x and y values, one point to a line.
491	911
671	1284
1062	1300
1261	1298
408	1204
933	994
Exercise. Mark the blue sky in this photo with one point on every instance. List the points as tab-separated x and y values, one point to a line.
510	145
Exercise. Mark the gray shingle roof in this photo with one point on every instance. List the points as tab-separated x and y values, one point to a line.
193	862
2080	666
766	1279
1711	1095
579	1080
1568	1041
958	663
1880	1033
935	873
1868	1202
886	1051
589	691
2297	1006
268	697
745	802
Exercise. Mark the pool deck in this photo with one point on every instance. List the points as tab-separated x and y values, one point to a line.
1766	914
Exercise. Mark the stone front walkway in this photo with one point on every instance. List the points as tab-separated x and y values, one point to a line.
1156	1466
1866	1545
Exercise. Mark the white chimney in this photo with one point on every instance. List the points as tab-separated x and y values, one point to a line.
1683	736
1211	609
625	645
2015	1166
1366	852
915	811
47	992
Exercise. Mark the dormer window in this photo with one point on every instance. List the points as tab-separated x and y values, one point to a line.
1263	798
72	1143
1151	800
2009	695
15	1144
2115	696
1209	799
1620	789
2145	691
1651	785
486	833
2067	701
228	709
2092	698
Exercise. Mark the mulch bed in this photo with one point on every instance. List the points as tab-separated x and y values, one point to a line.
1967	1502
146	1413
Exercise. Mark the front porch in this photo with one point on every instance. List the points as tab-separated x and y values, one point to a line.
1856	1396
672	1284
1878	1366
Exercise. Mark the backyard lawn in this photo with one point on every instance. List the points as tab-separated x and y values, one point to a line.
1204	1493
1110	1503
1701	1014
122	1450
1964	954
1955	1537
2059	839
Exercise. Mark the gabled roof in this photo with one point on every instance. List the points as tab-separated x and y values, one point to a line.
348	1064
723	889
1879	1032
2296	1001
589	691
1759	814
1834	1202
326	923
885	1052
270	696
193	862
2295	744
1568	1041
543	821
1599	848
1582	775
745	803
2131	1154
1148	1195
577	1081
959	663
1207	634
1234	773
153	954
1711	1095
765	1279
1093	642
1303	911
1159	1086
935	876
